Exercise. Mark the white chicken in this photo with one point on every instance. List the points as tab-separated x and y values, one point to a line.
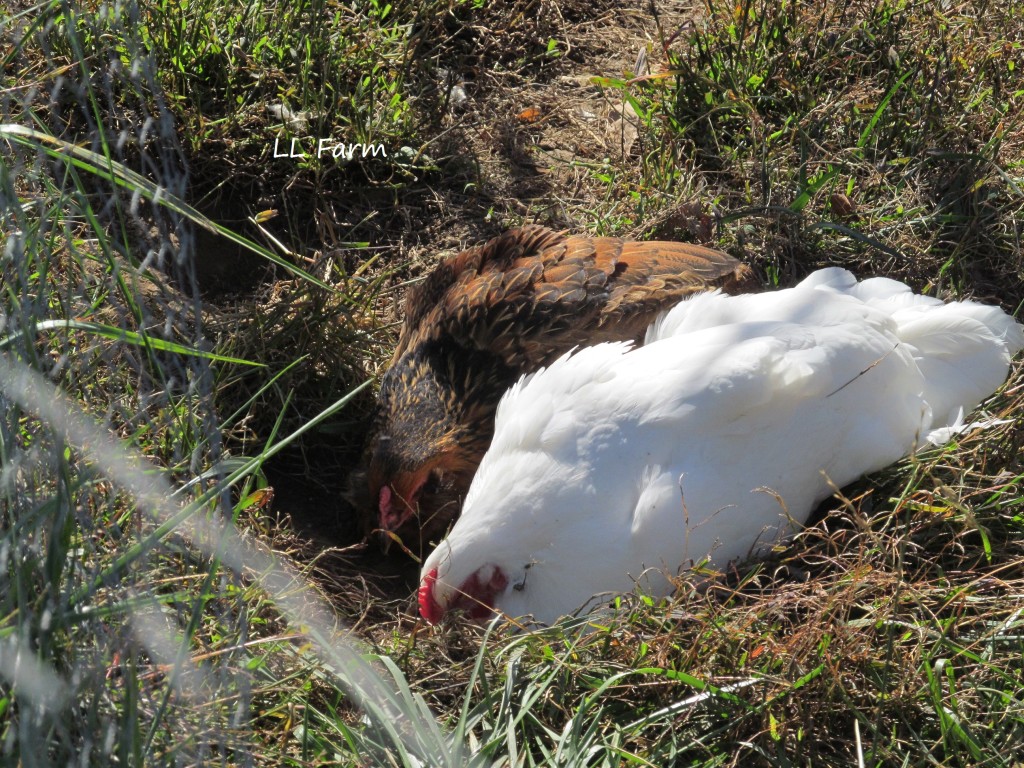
616	467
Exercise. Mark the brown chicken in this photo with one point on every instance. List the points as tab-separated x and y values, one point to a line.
481	320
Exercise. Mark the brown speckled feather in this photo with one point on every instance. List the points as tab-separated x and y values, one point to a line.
483	318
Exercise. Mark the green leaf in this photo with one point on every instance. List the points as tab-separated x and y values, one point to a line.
132	337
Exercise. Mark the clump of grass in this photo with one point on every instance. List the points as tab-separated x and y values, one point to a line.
877	136
888	633
123	638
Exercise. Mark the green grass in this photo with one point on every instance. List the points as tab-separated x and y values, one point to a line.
159	606
867	135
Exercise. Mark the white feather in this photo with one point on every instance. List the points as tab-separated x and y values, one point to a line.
617	465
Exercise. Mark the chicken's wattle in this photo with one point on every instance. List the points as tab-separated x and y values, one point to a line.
390	517
397	508
476	596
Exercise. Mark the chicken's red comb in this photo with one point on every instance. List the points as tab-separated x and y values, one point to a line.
429	608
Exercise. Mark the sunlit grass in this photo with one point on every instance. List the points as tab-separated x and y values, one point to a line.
155	608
